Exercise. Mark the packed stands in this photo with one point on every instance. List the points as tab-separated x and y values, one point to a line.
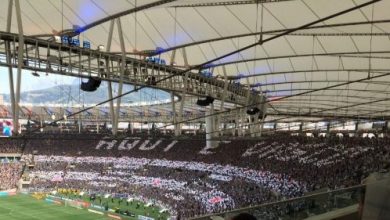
188	179
9	175
10	146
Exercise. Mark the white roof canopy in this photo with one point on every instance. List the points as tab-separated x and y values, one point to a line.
351	47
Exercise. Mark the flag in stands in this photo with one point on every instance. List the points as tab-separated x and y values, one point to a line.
216	199
156	182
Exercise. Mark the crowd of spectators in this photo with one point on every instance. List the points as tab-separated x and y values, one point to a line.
188	179
9	175
179	185
10	146
10	170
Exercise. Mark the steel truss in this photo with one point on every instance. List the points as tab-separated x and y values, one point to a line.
56	58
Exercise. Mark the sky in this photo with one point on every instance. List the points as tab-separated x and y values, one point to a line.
30	82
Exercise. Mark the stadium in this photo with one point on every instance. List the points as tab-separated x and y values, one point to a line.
194	109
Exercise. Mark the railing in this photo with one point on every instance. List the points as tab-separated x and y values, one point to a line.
298	208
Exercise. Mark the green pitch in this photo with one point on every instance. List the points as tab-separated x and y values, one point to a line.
22	207
132	207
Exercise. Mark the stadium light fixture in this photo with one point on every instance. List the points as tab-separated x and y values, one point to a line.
101	48
57	39
92	84
205	101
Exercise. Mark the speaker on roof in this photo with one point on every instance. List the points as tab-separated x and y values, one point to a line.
252	111
205	101
258	106
202	102
92	84
210	99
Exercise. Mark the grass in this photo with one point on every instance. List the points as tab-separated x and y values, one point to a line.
24	207
153	212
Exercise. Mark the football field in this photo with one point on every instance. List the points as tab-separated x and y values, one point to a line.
23	207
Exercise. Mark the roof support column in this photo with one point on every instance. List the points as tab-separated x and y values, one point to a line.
252	125
115	112
241	127
182	101
185	59
261	126
173	57
178	127
122	72
9	62
210	128
175	126
20	63
236	129
80	123
97	121
232	127
110	96
224	95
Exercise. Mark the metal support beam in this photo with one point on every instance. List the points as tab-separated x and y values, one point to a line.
185	59
262	41
123	13
80	123
122	72
225	3
97	121
174	114
210	128
224	95
173	58
20	64
9	62
274	32
110	96
182	101
88	68
236	124
9	15
348	54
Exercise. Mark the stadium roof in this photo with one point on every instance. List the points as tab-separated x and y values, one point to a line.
352	49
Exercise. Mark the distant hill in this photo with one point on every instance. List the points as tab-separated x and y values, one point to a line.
71	94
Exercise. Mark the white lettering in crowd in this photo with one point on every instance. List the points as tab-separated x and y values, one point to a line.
127	146
106	144
147	146
252	150
170	146
207	150
131	143
316	154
